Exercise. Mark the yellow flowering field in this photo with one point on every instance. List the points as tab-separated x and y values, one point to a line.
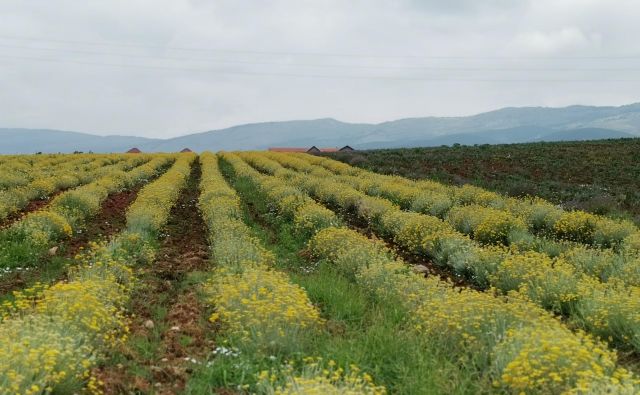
513	343
24	241
566	283
53	335
320	278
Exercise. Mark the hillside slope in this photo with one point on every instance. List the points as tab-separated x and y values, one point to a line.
508	125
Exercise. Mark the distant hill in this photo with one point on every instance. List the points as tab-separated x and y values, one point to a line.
585	134
507	125
45	140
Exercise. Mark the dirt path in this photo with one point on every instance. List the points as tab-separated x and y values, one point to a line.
169	330
110	220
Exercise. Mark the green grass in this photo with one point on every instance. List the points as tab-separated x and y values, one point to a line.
19	249
360	330
596	176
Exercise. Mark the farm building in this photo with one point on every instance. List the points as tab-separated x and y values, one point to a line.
186	150
316	150
312	150
134	150
346	148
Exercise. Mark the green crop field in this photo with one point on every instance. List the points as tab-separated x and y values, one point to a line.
597	176
285	273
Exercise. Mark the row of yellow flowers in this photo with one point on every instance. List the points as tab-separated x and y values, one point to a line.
258	308
20	170
490	226
516	214
25	240
514	344
485	224
561	284
52	336
62	176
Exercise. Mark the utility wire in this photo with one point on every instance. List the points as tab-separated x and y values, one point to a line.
338	66
297	75
327	54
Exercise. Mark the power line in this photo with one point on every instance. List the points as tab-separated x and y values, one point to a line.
296	75
343	66
297	53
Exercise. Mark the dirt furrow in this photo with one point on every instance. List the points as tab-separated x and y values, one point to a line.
169	330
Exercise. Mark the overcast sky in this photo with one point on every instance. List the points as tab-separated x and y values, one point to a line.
162	68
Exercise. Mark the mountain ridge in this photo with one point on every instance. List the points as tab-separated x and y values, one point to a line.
505	125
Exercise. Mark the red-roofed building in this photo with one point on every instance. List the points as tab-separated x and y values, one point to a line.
186	150
134	151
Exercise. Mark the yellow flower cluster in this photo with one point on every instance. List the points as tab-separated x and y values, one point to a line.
575	225
318	377
632	243
47	225
513	343
347	253
51	336
260	306
549	359
39	354
612	312
551	283
485	224
309	218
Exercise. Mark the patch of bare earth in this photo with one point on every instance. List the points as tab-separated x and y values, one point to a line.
110	220
169	317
